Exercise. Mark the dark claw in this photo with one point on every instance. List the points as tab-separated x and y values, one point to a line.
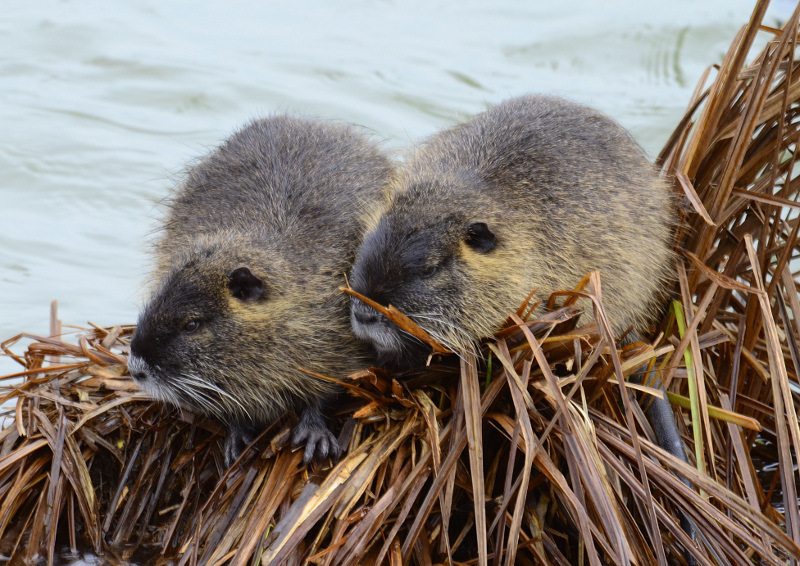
238	438
319	440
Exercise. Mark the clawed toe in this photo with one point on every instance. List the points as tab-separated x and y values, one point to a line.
320	442
238	437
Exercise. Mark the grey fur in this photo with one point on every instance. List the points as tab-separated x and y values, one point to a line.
256	242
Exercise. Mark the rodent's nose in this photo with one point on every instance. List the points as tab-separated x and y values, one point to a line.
364	314
366	318
137	367
137	374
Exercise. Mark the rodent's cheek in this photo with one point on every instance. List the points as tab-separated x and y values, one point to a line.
426	290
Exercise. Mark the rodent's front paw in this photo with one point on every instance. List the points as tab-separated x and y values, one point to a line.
233	449
236	440
319	440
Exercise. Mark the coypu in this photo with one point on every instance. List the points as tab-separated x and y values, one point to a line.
532	194
255	244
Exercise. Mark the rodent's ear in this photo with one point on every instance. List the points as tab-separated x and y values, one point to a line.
244	285
479	237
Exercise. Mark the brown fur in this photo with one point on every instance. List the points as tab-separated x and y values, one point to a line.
257	240
532	194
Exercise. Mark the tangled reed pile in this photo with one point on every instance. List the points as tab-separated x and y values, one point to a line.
538	454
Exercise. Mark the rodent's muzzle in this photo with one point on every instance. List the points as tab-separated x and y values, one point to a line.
363	314
393	347
372	327
365	321
367	324
138	368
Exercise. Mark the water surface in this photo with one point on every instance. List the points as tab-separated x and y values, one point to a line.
102	104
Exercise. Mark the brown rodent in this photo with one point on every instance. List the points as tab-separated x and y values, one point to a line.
533	194
256	242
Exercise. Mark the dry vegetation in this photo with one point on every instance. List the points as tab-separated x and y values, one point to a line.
89	463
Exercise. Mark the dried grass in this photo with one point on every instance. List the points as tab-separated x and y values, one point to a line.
89	463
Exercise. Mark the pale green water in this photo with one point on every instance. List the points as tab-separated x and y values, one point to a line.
102	103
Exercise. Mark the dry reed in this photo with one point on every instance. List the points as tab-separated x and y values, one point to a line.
88	463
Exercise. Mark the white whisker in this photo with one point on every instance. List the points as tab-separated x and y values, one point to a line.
232	401
449	334
201	400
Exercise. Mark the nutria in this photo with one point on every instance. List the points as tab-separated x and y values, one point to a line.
532	194
255	244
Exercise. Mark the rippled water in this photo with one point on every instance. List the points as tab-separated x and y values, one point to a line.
101	104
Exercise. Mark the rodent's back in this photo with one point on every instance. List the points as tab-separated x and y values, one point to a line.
306	184
548	158
559	189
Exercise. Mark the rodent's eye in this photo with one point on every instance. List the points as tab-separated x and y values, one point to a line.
428	271
191	326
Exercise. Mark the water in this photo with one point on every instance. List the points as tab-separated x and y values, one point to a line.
102	104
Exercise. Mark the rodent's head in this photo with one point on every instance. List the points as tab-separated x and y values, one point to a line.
216	338
432	255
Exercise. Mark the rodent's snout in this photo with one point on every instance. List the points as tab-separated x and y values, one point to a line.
365	323
137	368
363	314
374	329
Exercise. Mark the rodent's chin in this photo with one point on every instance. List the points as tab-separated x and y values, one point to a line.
392	347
